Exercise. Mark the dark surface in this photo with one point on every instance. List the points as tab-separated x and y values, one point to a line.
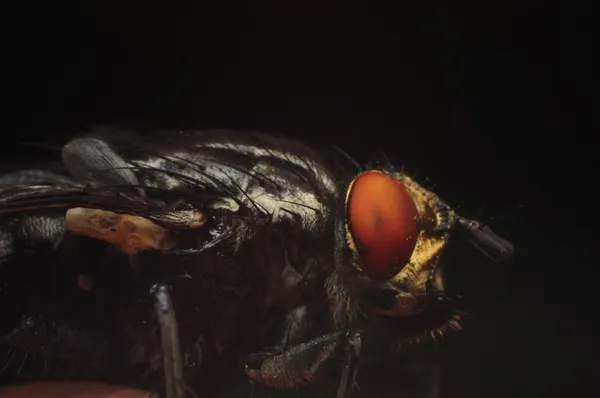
489	102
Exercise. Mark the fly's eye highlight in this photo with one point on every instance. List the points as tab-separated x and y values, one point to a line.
382	223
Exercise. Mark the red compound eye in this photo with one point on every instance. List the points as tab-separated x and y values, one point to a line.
383	223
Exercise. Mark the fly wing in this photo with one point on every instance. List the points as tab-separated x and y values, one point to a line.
23	198
105	199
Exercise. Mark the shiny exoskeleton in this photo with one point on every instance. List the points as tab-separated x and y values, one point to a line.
273	259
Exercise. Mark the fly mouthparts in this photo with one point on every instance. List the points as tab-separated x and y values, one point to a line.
486	241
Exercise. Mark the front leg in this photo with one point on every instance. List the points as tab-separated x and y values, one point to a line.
298	365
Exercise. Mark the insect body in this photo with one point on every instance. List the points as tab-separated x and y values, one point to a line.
253	247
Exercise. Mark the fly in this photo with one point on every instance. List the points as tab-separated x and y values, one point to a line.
203	249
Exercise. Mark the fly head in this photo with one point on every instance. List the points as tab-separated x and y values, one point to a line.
391	235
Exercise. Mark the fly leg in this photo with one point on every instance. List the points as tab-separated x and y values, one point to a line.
169	335
298	365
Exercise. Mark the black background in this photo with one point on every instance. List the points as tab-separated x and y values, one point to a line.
488	100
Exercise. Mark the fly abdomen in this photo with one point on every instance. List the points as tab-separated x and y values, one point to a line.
33	334
33	231
37	230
